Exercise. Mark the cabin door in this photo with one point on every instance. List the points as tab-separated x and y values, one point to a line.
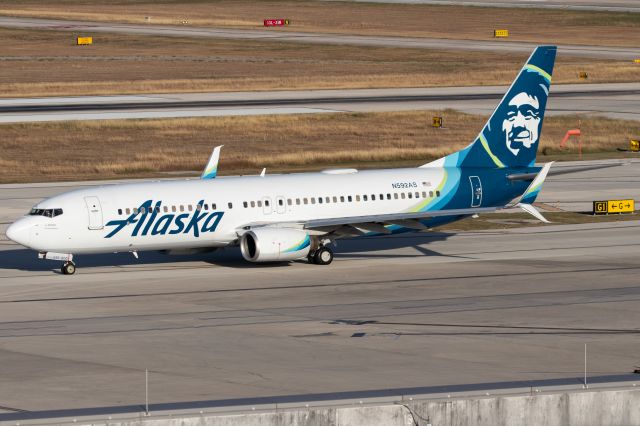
95	212
476	191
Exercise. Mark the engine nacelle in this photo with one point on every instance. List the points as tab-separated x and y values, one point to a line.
274	244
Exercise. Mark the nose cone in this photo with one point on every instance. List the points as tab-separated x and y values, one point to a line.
19	232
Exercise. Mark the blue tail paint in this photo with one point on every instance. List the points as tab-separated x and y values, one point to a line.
510	137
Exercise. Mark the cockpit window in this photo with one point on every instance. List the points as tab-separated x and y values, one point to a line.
45	212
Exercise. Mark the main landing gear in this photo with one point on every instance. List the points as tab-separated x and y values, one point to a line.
322	256
68	268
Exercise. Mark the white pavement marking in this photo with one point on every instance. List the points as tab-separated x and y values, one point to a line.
106	115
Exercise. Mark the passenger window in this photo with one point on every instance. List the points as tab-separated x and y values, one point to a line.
424	194
190	207
266	203
430	193
206	206
259	203
297	201
335	199
181	208
306	201
173	209
119	211
327	200
349	198
281	202
213	206
198	207
313	200
402	195
319	200
410	195
364	198
289	201
253	204
395	195
165	209
388	196
157	209
342	198
230	205
437	193
373	197
357	198
245	204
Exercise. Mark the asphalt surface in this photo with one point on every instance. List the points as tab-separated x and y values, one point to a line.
411	312
618	100
594	5
602	52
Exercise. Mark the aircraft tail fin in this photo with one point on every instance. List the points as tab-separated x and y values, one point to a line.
511	135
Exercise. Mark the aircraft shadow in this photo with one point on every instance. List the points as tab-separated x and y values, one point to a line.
27	260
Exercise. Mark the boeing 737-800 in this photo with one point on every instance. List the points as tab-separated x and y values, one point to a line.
293	216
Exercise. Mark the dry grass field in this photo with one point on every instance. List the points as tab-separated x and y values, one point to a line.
535	25
47	63
143	148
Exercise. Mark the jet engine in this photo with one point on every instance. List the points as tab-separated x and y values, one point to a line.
274	244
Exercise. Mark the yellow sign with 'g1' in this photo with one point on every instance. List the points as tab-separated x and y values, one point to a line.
501	33
613	206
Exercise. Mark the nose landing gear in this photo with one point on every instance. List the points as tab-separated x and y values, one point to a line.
68	268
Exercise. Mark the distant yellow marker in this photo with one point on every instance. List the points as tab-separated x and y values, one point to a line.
501	33
437	122
637	61
84	40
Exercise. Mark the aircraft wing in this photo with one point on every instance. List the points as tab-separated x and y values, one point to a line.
369	223
563	170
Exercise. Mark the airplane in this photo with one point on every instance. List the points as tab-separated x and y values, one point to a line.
287	217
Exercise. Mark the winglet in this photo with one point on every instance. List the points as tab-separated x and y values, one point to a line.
264	171
526	200
211	170
532	211
532	191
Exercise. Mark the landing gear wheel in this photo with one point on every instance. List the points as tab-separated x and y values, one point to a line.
69	268
323	256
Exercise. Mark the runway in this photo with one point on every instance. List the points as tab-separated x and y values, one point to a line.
594	5
617	100
415	310
602	52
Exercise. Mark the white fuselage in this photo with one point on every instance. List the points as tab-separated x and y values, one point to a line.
185	214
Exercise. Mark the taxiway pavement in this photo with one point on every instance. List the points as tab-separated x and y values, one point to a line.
616	100
403	311
594	5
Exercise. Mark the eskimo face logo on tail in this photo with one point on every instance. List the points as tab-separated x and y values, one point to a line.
521	125
149	221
